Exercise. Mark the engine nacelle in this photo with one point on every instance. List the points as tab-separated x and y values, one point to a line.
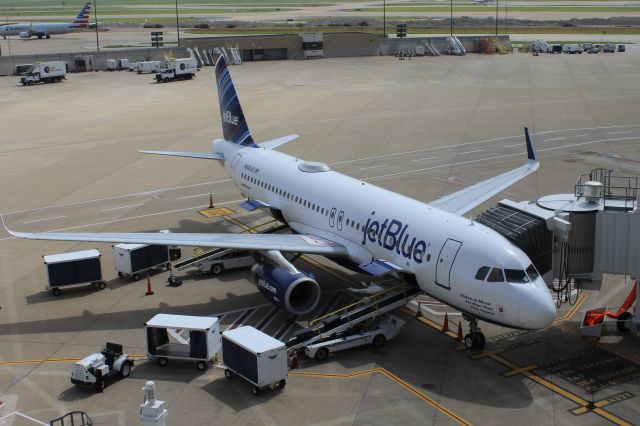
297	294
25	34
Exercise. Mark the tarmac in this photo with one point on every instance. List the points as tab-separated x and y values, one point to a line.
422	127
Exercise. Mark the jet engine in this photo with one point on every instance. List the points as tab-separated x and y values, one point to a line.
25	34
297	293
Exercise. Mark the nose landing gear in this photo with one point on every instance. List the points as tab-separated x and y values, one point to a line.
475	339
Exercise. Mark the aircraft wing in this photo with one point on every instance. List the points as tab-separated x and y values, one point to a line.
460	202
203	155
309	244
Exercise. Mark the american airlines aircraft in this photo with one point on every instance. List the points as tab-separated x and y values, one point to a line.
432	246
46	29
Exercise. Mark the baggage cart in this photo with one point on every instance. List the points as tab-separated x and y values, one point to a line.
131	260
183	337
256	357
80	267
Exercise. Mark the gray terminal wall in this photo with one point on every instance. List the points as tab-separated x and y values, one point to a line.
8	63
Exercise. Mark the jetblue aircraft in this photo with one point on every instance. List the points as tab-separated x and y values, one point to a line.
432	246
46	29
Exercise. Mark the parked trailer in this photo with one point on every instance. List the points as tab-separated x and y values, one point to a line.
45	72
183	337
257	357
148	67
123	64
179	69
79	267
112	65
131	260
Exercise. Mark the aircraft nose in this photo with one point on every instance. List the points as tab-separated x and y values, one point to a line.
536	313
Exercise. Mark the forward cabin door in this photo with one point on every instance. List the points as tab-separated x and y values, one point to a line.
445	262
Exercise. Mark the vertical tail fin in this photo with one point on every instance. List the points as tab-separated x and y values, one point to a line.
234	126
82	20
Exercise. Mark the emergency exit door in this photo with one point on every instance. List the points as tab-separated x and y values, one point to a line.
445	262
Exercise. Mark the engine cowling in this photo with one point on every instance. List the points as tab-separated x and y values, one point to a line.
297	293
25	34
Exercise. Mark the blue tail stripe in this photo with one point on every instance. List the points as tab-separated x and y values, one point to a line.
234	125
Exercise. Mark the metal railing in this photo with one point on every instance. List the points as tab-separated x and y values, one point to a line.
623	190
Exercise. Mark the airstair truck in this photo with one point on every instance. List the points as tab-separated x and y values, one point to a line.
45	72
179	69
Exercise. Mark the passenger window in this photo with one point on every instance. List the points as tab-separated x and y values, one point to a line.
482	273
516	276
496	276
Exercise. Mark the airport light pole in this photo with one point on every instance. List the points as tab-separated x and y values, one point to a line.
177	23
95	18
384	19
497	2
451	20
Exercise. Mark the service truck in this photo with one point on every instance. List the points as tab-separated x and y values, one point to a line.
179	69
45	72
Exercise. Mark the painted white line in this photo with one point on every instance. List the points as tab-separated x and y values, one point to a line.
406	172
619	133
554	139
425	159
579	136
44	220
481	141
122	207
192	196
115	197
470	152
374	167
122	219
511	146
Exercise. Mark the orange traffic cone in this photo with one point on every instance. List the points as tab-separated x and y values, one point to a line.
210	201
445	326
149	292
459	336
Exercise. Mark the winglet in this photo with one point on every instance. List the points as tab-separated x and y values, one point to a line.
531	150
15	234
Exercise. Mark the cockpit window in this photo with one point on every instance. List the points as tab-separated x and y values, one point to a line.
482	273
532	272
516	276
495	276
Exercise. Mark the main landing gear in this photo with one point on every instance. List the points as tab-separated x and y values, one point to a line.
475	339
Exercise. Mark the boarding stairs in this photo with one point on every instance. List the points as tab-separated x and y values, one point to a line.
222	252
431	49
345	319
235	56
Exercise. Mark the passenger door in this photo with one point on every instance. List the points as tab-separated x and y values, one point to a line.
446	258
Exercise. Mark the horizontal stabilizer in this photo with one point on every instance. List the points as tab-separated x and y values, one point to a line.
274	143
203	155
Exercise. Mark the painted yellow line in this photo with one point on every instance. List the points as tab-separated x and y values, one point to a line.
582	297
43	361
395	379
534	377
519	370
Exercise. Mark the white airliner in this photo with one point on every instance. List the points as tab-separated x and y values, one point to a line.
46	29
449	257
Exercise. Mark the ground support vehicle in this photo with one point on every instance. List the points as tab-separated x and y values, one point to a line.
183	337
256	357
375	335
179	69
79	267
93	370
45	72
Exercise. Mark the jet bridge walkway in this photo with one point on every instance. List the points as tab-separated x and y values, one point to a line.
344	319
217	253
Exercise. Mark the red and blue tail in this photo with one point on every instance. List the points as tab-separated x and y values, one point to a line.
82	20
234	125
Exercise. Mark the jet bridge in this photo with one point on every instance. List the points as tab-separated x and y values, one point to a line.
575	238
